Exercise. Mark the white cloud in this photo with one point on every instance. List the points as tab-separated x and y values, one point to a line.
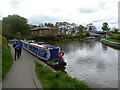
77	11
15	3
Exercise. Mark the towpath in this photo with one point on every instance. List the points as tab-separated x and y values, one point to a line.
22	73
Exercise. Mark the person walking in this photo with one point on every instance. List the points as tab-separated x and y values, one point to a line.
17	50
20	47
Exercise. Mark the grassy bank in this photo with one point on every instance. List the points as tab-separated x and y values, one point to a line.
50	79
118	41
7	59
110	42
0	58
114	40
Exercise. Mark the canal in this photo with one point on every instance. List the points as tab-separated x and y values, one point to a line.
91	62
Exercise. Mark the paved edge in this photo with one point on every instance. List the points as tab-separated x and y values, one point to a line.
34	76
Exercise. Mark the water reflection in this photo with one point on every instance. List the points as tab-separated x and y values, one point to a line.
104	47
101	66
84	60
91	62
90	44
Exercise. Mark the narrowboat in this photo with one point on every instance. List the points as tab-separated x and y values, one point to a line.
51	55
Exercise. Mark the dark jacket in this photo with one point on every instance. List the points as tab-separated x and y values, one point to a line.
16	46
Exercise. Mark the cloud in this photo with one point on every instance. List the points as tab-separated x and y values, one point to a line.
77	11
15	3
87	10
102	4
119	14
38	19
113	22
55	10
99	20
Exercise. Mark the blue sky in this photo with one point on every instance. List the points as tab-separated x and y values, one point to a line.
73	11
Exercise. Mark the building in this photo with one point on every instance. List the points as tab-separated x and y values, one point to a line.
105	33
41	31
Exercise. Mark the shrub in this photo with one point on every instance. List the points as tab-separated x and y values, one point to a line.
87	34
44	38
116	36
80	35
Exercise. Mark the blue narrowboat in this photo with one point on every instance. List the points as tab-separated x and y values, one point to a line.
52	55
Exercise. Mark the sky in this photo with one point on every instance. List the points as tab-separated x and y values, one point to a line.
73	11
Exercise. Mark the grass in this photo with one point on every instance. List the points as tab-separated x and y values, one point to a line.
50	79
116	36
110	43
118	41
0	58
7	59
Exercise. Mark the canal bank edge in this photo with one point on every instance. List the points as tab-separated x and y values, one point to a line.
109	43
50	79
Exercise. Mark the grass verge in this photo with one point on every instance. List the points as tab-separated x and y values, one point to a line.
118	41
0	58
110	43
7	59
50	79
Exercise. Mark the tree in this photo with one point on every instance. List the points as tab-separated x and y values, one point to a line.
49	24
7	31
90	27
80	35
115	30
105	27
87	34
63	26
16	25
81	28
73	27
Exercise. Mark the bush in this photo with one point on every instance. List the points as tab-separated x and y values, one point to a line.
70	36
7	59
57	38
44	38
80	35
116	36
67	36
87	34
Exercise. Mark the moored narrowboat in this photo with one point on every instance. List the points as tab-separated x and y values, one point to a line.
51	55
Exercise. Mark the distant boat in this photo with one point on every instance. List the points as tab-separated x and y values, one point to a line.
90	37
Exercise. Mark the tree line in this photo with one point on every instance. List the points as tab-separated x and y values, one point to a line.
15	26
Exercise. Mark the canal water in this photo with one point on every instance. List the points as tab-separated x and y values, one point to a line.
91	62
